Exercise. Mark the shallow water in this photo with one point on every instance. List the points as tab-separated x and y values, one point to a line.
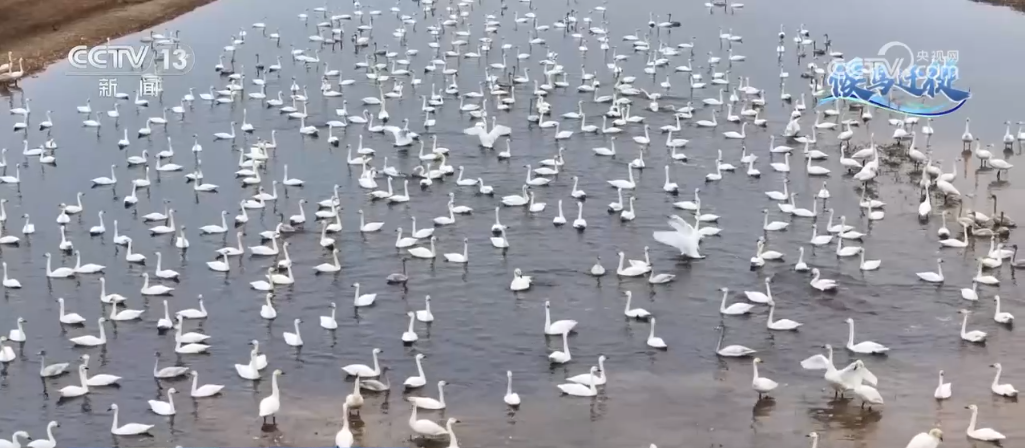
481	328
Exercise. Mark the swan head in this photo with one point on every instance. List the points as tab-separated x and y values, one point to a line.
173	390
278	372
972	407
849	320
813	434
355	285
191	373
814	271
113	407
377	351
996	365
936	433
757	360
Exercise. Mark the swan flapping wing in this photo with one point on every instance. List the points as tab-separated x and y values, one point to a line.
817	362
681	225
394	130
500	130
685	237
476	129
674	239
854	375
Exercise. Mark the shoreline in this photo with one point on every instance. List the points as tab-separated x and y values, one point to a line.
42	37
1017	5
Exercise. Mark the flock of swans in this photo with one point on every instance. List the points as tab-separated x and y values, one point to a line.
467	32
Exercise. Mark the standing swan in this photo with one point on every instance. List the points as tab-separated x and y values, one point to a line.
269	406
760	384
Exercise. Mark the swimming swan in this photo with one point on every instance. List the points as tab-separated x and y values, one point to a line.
206	390
730	351
942	390
867	347
580	390
984	434
163	407
590	378
511	399
129	429
362	369
1005	390
558	327
430	403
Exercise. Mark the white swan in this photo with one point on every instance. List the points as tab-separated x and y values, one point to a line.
930	439
269	406
90	340
1006	390
984	434
163	407
636	313
684	237
362	300
942	389
561	356
580	390
730	351
129	429
294	339
970	336
822	284
363	370
867	347
206	390
761	384
520	282
782	324
428	402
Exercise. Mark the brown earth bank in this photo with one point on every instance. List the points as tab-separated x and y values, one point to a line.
1016	4
42	31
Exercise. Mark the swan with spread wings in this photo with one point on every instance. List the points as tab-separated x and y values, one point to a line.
684	237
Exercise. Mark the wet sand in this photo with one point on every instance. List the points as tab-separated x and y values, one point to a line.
42	31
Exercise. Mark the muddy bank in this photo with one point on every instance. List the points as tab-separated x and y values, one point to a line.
42	31
1016	4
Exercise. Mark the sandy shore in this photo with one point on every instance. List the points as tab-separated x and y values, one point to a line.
42	31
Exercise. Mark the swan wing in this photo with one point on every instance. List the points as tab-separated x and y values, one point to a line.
472	130
853	375
922	440
674	239
500	130
816	362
